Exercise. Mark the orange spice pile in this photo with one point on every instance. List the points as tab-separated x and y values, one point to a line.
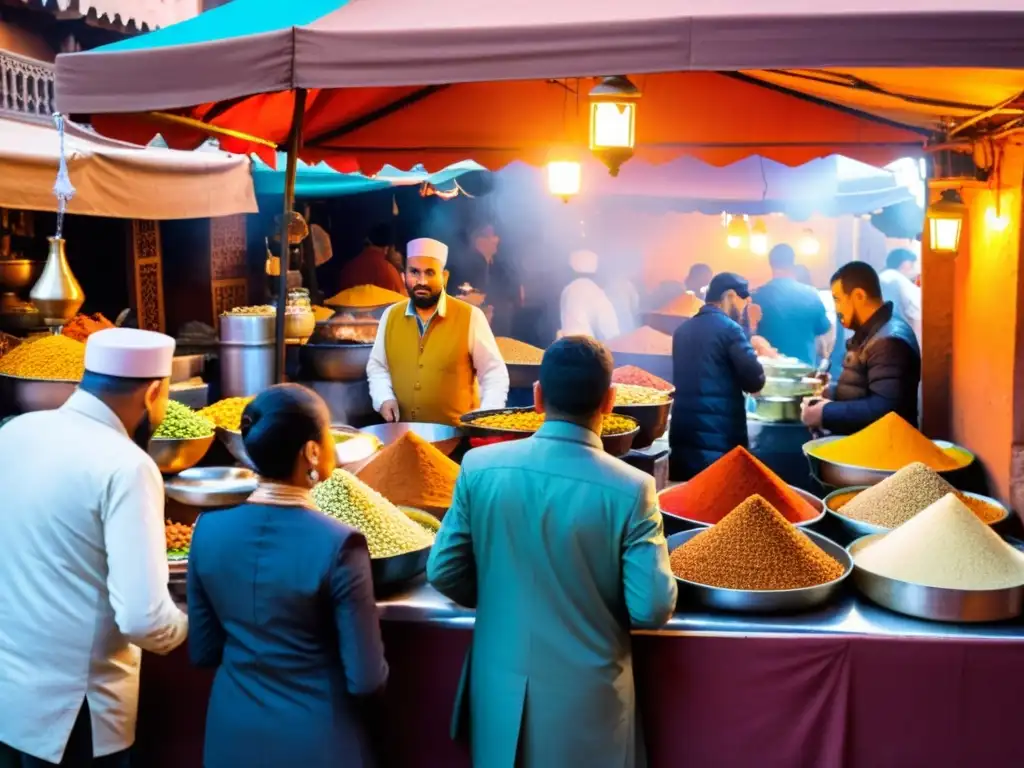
411	472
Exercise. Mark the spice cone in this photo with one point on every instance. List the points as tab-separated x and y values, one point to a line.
888	444
411	472
754	548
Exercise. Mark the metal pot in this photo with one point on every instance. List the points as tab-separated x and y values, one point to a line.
337	362
778	409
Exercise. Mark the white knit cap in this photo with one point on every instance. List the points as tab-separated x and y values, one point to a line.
583	262
427	248
130	354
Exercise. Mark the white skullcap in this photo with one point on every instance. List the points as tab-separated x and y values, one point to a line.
583	262
427	248
129	354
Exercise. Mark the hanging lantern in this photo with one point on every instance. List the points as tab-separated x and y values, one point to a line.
564	178
737	233
945	220
613	105
759	238
809	244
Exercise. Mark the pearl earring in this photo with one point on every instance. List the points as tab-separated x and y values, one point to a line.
314	476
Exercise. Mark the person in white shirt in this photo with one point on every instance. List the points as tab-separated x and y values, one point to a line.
435	357
83	579
899	287
586	308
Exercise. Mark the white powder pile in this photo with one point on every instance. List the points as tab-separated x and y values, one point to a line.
945	545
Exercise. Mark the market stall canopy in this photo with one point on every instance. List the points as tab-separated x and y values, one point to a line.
321	181
119	180
249	47
830	186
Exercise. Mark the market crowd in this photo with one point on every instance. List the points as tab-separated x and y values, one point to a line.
558	546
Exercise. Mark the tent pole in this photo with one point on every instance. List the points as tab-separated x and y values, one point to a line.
294	142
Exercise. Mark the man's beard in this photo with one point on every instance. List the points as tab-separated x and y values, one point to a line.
144	432
425	302
736	314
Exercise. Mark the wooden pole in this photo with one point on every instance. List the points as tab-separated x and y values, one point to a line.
294	143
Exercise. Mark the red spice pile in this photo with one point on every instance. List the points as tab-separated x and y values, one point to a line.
630	374
734	478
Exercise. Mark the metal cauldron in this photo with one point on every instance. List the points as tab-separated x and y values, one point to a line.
337	362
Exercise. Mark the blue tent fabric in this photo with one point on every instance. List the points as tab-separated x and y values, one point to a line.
322	181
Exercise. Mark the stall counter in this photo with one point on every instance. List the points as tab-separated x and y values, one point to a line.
850	686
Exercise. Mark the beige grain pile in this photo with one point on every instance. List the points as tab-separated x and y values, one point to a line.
945	545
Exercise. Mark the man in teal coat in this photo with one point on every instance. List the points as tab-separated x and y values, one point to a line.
560	549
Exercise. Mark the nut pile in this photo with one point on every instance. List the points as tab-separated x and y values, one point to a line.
179	539
901	496
631	394
519	352
51	358
531	421
263	309
227	413
630	374
388	531
182	423
754	548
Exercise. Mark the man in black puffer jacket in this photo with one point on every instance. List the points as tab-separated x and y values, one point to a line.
882	367
713	364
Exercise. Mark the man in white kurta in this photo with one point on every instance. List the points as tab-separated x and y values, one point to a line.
585	308
83	579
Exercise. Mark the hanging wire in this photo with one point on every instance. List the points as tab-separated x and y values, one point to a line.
63	189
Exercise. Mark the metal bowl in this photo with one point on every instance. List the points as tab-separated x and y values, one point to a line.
859	528
834	475
522	376
173	455
785	368
934	603
444	437
236	446
653	421
764	601
689	522
617	445
27	395
423	518
19	274
357	448
337	362
212	486
777	409
390	572
785	387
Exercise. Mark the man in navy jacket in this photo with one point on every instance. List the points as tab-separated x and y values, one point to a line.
713	364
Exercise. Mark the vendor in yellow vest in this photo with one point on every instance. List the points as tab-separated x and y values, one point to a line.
432	349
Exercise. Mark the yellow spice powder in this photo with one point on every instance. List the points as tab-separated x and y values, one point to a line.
364	296
51	358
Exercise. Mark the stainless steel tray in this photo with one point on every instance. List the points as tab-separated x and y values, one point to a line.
763	601
835	475
690	522
212	486
935	603
859	528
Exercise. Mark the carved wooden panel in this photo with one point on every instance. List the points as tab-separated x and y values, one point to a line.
228	294
227	247
147	270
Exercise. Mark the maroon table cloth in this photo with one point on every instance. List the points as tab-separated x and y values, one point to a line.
707	701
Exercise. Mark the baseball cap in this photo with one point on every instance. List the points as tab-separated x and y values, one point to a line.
727	281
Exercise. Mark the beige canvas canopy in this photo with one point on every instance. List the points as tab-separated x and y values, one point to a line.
117	179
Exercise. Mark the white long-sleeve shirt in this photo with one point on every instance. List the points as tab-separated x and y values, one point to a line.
587	311
83	577
491	372
905	297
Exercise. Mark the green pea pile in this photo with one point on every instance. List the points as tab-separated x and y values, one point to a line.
387	530
182	423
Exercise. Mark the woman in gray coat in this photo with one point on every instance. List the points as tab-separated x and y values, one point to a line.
280	601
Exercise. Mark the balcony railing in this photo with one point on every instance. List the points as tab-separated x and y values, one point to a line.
142	15
26	86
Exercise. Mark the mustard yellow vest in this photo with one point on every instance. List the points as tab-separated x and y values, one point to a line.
433	377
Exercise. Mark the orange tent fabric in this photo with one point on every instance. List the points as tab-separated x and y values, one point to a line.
718	118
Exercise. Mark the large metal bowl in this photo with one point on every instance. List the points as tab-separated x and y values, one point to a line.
785	368
19	274
617	445
212	486
173	455
859	528
763	601
444	437
522	376
357	449
236	446
337	362
834	475
27	395
785	387
653	421
690	522
934	603
390	572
